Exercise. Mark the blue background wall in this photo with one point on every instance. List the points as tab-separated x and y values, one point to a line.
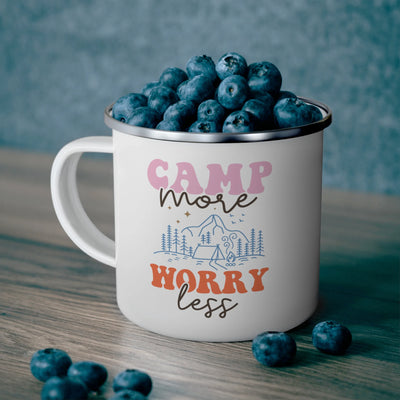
63	62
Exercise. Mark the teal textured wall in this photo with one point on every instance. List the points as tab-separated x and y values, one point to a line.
63	62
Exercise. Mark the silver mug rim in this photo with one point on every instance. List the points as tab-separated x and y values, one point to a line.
218	137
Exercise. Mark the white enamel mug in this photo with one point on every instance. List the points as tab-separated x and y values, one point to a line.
217	236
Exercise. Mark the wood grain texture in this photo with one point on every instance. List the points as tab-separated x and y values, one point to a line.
53	295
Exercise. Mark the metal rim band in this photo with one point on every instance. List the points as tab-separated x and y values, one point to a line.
267	135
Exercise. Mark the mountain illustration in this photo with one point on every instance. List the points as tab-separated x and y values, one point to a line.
213	227
212	242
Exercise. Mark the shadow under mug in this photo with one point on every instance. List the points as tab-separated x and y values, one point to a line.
217	236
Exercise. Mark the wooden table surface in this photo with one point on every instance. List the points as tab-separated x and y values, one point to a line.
53	295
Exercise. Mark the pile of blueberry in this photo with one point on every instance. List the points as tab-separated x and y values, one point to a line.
276	349
229	96
65	380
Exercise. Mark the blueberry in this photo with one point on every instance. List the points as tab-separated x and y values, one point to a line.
148	88
196	89
128	395
290	112
283	94
231	64
145	116
238	122
65	388
173	77
264	77
203	126
316	113
211	110
233	92
262	112
47	363
161	97
92	374
124	106
183	111
331	337
132	379
274	349
201	65
169	125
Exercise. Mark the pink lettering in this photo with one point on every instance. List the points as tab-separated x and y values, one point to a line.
259	170
157	181
187	173
218	181
217	178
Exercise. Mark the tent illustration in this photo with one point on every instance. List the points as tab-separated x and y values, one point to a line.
204	252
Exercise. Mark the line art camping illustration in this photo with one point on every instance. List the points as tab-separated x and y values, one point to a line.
212	243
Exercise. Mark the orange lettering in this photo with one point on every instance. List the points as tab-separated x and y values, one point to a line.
160	273
231	278
207	282
191	279
258	285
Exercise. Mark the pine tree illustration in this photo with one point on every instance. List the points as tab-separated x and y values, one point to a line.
175	241
253	241
239	247
208	237
183	245
260	244
246	249
203	239
190	251
163	242
169	237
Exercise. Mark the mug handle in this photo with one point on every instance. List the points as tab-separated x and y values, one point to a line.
67	204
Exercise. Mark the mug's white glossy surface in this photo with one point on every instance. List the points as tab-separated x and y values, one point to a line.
213	241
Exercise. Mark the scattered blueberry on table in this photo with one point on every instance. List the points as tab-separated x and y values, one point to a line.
65	380
331	337
181	100
274	349
46	363
92	374
64	388
133	379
